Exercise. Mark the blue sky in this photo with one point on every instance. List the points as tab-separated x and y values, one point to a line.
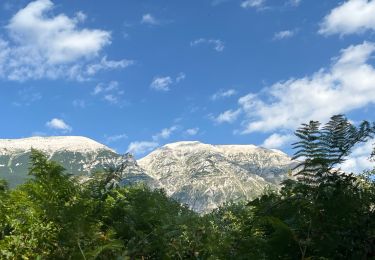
138	74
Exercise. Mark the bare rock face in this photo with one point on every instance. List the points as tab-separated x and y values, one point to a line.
205	176
79	155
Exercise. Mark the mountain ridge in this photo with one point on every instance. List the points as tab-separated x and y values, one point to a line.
203	176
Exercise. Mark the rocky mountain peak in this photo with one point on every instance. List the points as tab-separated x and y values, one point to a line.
51	144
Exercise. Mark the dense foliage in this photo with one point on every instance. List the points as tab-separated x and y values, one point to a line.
323	213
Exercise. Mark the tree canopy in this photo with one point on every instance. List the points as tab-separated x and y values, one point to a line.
321	213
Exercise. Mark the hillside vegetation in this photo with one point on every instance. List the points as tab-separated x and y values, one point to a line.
323	213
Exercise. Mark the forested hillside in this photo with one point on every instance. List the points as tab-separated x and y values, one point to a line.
323	213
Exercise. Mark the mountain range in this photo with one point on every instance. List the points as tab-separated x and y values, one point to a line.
203	176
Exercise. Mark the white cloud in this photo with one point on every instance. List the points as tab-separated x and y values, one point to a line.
102	87
43	45
161	83
218	45
223	94
164	133
359	159
142	147
27	96
164	83
110	92
347	85
180	77
252	3
149	19
192	131
350	17
228	116
275	141
146	146
79	103
81	16
295	2
111	98
218	2
115	138
59	124
105	64
283	35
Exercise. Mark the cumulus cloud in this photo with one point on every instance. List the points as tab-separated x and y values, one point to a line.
142	147
59	124
149	19
228	116
253	3
350	17
283	34
359	159
43	45
348	84
217	45
223	94
275	141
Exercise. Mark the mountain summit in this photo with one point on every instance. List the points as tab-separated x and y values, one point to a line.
51	144
79	156
203	176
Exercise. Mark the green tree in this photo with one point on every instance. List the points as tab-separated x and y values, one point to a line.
326	212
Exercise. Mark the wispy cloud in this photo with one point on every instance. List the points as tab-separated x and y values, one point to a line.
80	103
253	4
218	2
59	124
180	77
105	64
223	94
27	96
284	34
115	138
228	116
164	133
161	83
110	92
192	131
295	2
164	83
218	45
141	147
149	19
